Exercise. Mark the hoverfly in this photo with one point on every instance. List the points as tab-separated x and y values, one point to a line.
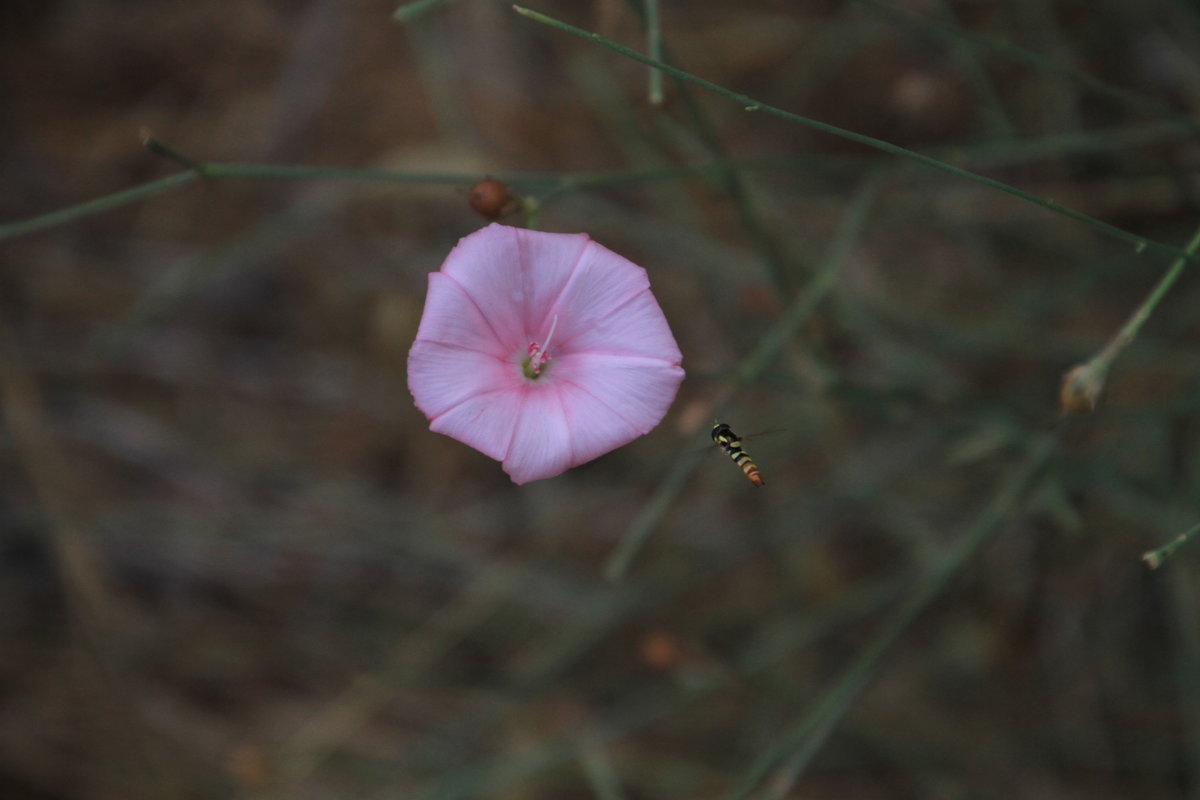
731	443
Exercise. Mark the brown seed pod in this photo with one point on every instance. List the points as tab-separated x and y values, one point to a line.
1081	388
490	198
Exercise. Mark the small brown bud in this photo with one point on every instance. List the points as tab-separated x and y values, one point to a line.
490	198
661	651
1081	387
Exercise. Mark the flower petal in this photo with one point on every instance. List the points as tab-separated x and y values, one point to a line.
595	427
548	262
486	264
484	421
607	307
636	327
452	317
638	390
513	275
442	376
541	442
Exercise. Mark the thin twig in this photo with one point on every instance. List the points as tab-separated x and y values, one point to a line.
796	746
410	11
1155	558
1011	154
1082	385
11	230
750	104
654	46
161	148
759	359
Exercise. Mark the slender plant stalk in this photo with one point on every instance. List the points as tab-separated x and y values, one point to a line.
1021	55
650	515
654	46
759	359
204	169
1133	326
731	182
750	104
1011	153
94	666
11	230
1082	385
417	8
779	636
294	172
161	148
311	743
53	484
991	106
1155	558
797	746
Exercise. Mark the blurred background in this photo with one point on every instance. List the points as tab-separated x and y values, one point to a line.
234	562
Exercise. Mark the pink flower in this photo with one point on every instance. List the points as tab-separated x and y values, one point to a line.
541	350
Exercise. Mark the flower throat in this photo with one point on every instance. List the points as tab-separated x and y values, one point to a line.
538	355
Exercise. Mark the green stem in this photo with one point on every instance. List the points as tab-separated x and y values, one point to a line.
991	107
1083	383
1130	329
796	746
358	174
117	199
730	180
759	359
654	45
161	148
417	8
1155	558
1012	52
750	104
296	172
1010	154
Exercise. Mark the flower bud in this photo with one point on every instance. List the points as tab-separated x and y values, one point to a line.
1081	387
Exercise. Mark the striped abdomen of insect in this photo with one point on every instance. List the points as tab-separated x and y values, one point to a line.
731	443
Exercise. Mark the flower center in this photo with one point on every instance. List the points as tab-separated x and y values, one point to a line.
539	354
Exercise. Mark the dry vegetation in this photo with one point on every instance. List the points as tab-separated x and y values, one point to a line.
234	562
